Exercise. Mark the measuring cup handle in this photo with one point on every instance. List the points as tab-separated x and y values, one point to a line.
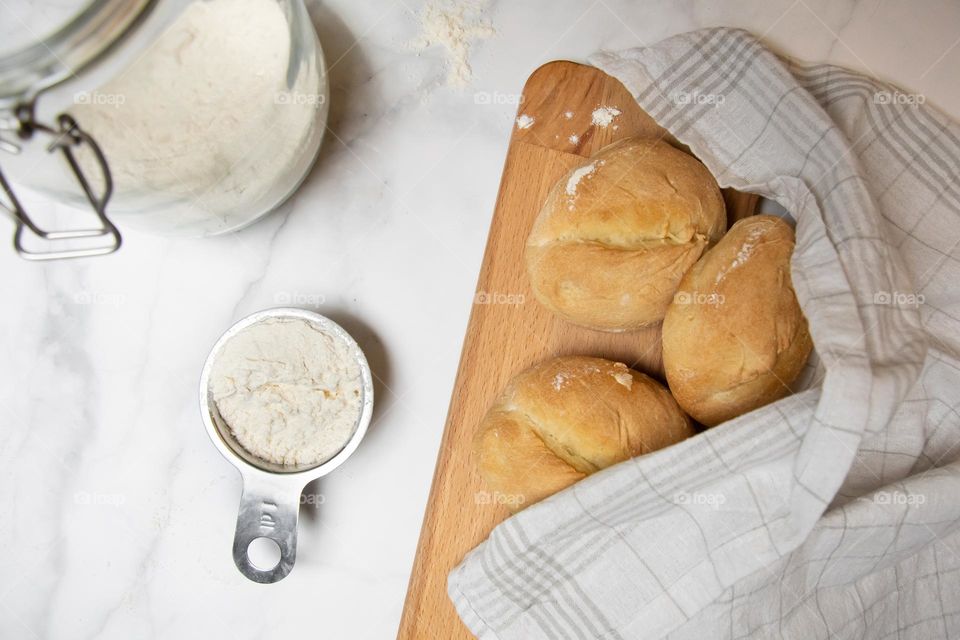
266	512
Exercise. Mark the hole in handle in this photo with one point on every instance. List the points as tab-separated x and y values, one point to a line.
265	543
264	553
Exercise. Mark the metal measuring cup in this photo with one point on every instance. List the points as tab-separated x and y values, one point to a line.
270	503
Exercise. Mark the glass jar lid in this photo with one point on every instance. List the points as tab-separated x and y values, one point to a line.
45	46
48	50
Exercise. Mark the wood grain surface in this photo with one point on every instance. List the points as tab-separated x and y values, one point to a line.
509	331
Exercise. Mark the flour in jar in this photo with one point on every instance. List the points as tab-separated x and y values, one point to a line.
290	392
219	115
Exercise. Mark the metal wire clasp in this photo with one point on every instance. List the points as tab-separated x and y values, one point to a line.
66	137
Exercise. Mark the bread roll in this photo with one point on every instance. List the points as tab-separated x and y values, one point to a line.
566	418
616	234
734	337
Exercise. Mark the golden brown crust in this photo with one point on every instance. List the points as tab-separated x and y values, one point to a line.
568	417
617	233
734	337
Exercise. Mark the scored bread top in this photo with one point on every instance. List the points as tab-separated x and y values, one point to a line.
630	193
616	234
568	417
734	337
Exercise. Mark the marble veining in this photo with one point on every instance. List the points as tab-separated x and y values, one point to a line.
119	514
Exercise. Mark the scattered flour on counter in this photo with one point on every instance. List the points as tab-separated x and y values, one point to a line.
568	115
290	392
453	25
603	116
524	121
574	139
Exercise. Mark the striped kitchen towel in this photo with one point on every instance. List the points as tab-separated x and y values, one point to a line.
834	512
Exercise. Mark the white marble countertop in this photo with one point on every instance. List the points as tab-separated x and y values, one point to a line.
119	514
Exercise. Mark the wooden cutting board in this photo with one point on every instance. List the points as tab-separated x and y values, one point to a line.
509	331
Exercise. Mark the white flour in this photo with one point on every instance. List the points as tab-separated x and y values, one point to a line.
743	254
559	381
578	175
290	392
524	121
603	116
453	25
622	375
206	115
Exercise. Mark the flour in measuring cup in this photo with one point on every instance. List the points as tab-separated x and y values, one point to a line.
290	392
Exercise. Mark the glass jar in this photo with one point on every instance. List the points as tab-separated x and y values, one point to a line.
168	116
